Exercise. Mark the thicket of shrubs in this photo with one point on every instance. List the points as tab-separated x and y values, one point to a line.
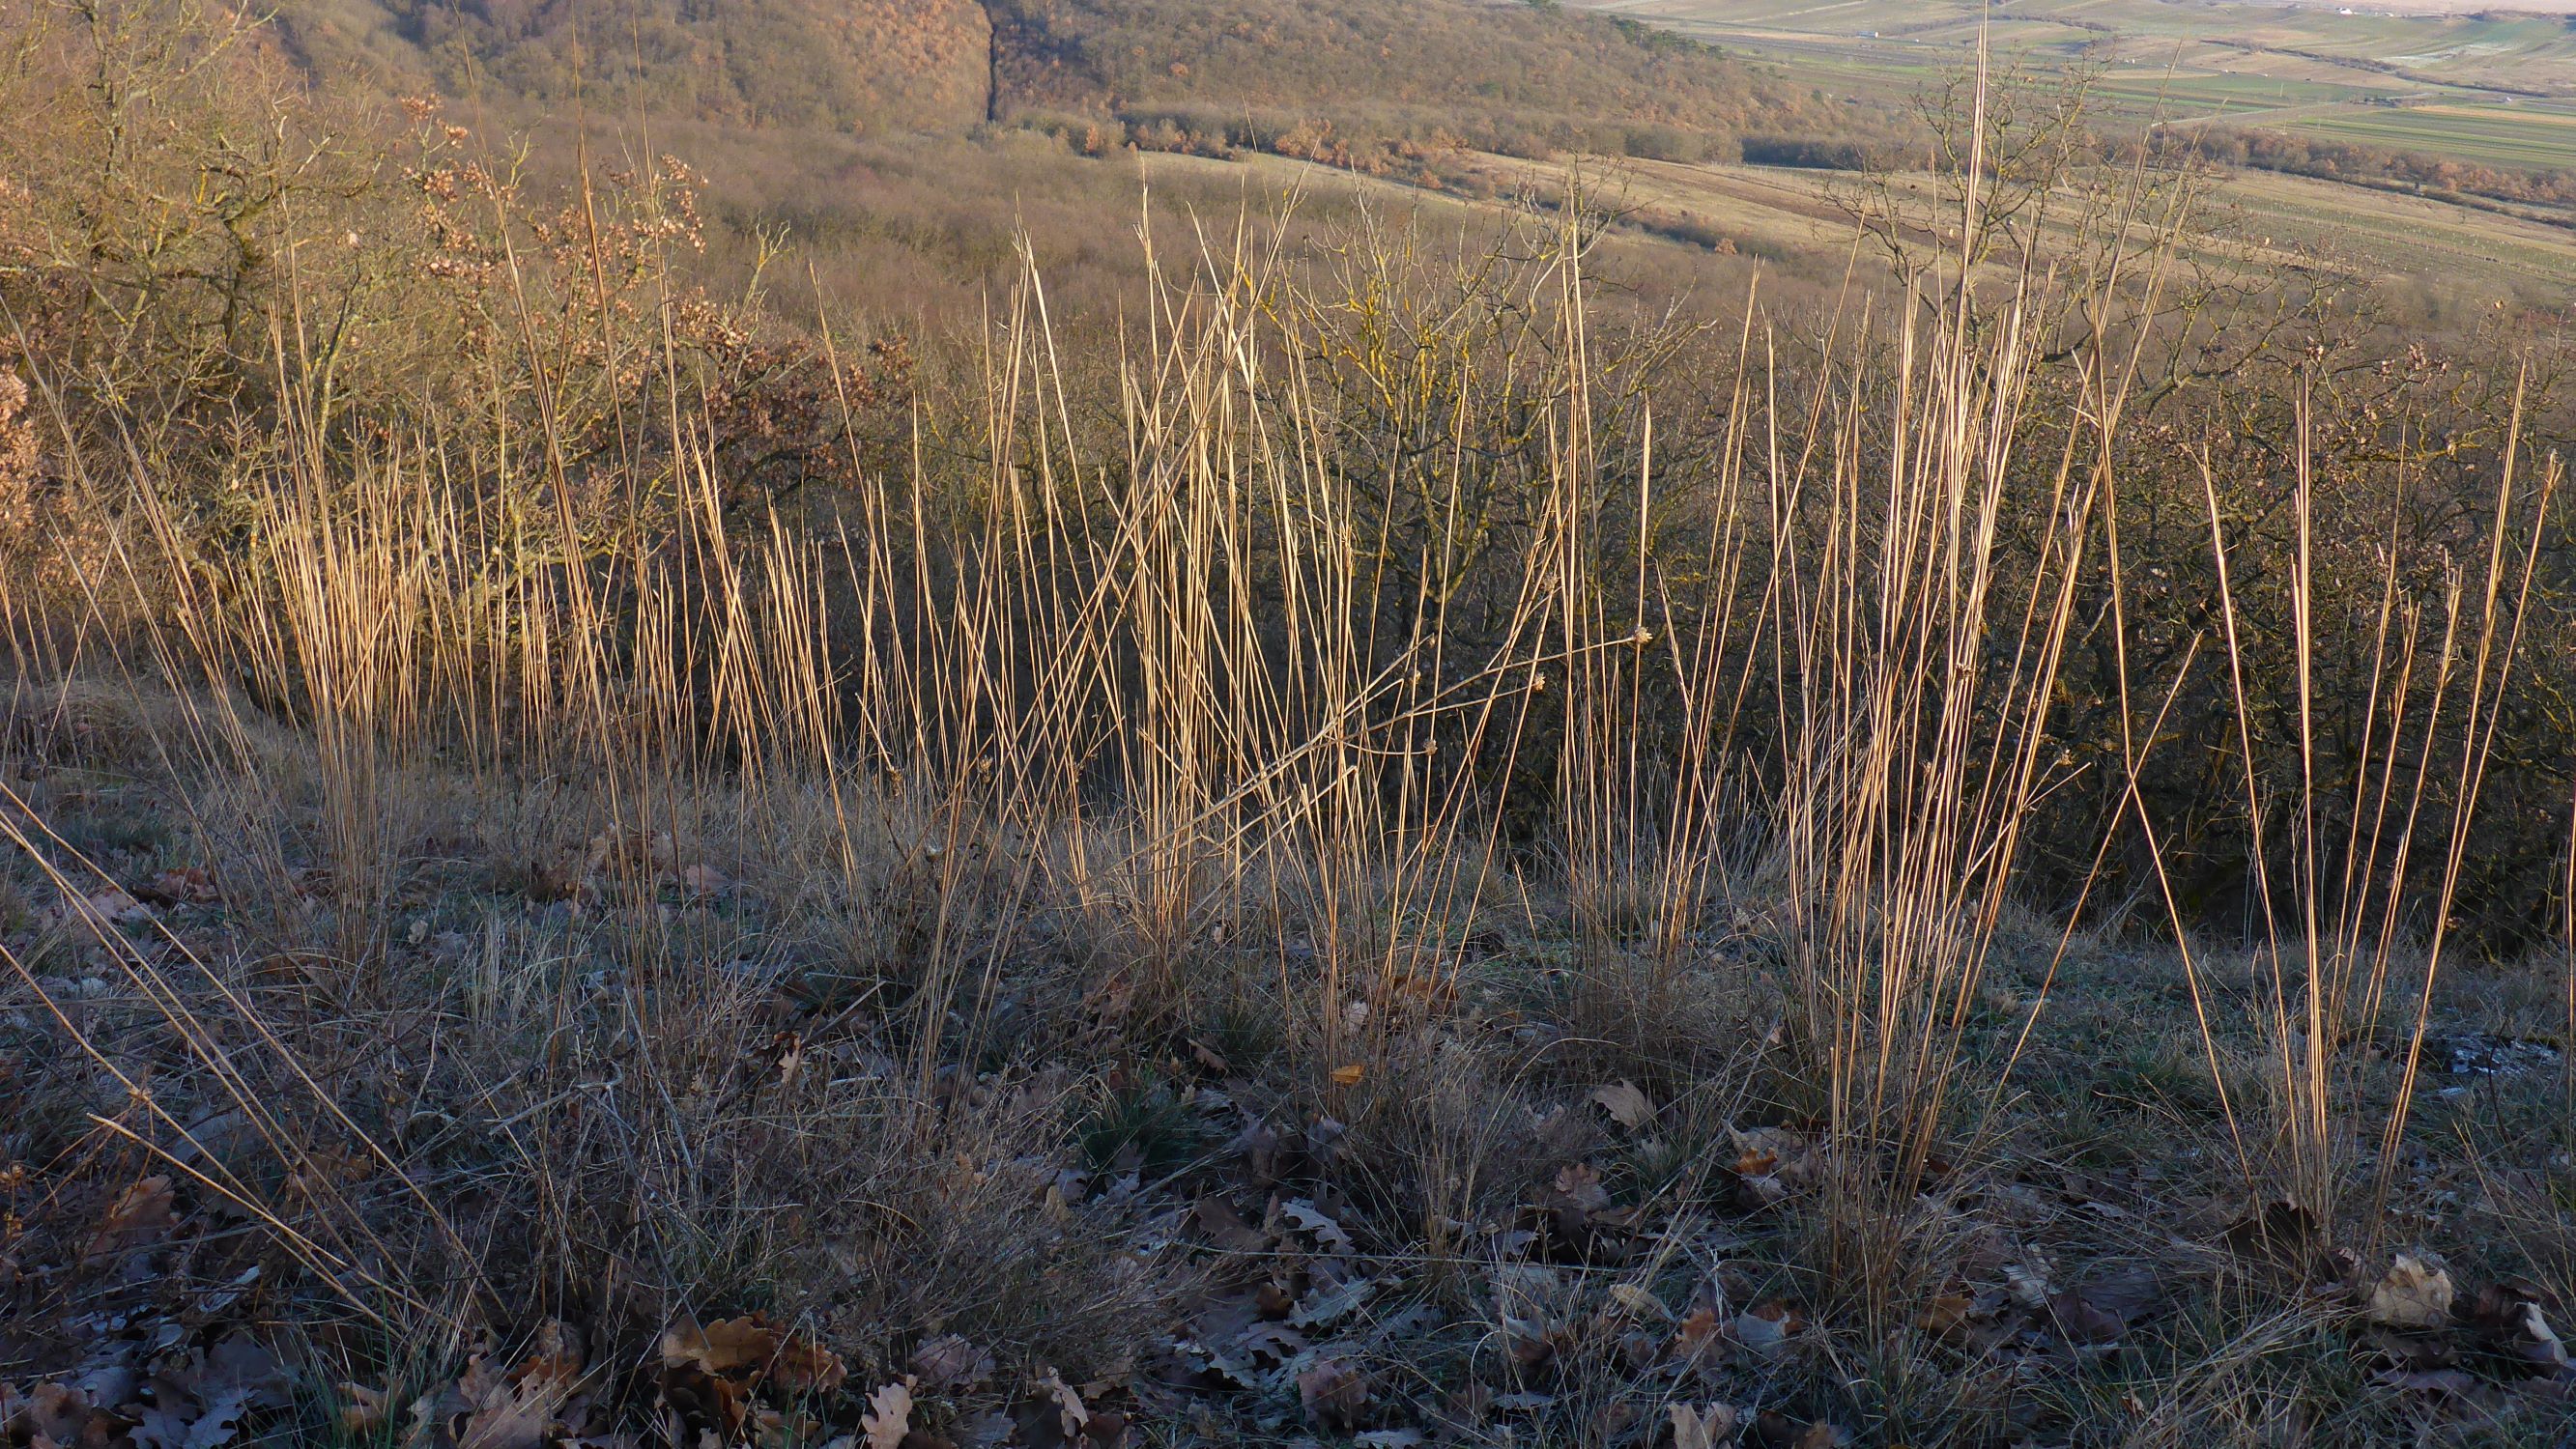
867	66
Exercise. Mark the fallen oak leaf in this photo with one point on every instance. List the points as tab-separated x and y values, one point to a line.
1535	1343
728	1346
950	1362
1578	1185
2081	1322
1766	1151
1580	1223
201	1401
1051	1415
1775	1430
365	1409
2414	1293
1309	1219
1333	1304
1334	1393
2279	1229
2127	1294
804	1366
188	885
2540	1346
889	1415
69	1417
2032	1279
2446	1383
631	850
1275	1341
2410	1354
2510	1322
110	903
1766	1328
1627	1106
703	1403
1946	1315
486	1409
207	1424
1697	1338
1226	1227
1636	1300
750	1349
141	1214
1710	1428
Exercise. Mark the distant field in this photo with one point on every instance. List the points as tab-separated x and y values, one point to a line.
2446	259
2454	65
2449	7
2498	135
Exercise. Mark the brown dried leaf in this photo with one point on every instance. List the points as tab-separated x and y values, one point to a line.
109	903
1697	1338
2509	1317
647	854
1946	1314
190	1422
1051	1415
889	1415
950	1362
2414	1293
704	1402
1536	1342
1766	1328
730	1346
1765	1151
141	1214
1627	1106
804	1366
2125	1293
2443	1383
364	1411
68	1417
188	885
1579	1185
1226	1227
1775	1430
490	1410
2279	1229
1633	1299
2081	1321
1710	1428
1335	1392
1310	1219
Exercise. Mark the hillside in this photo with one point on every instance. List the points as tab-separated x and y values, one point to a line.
848	65
1517	78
